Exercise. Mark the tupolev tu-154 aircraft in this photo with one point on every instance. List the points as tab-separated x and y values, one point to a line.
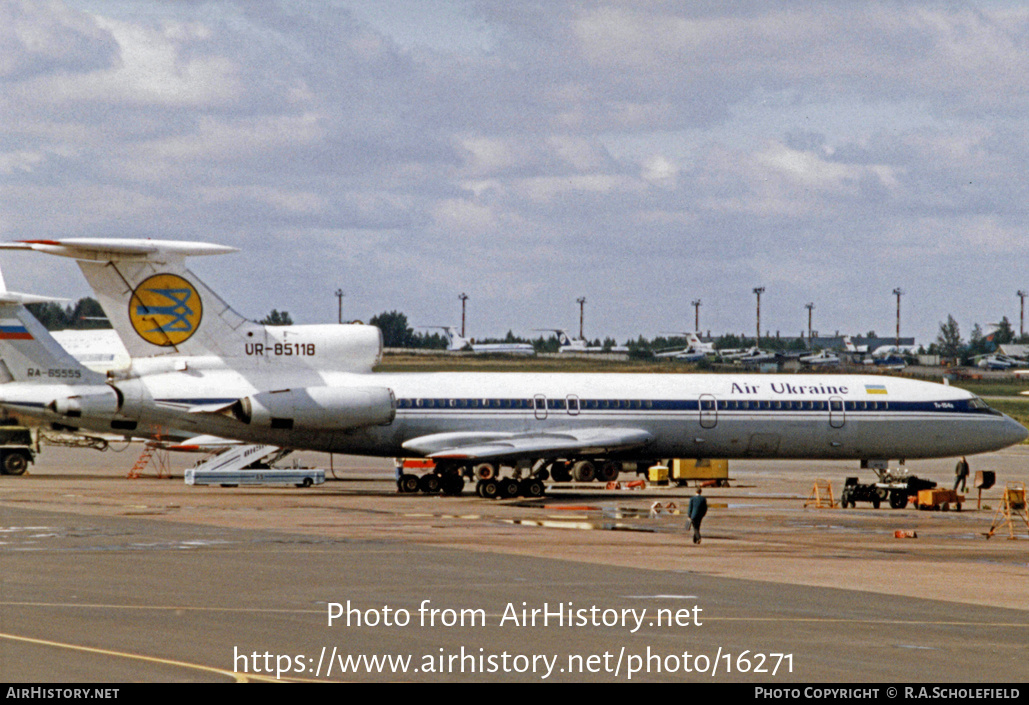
200	367
457	343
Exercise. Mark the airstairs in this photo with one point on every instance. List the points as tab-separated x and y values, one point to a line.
251	465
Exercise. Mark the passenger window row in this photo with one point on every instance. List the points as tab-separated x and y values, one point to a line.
575	404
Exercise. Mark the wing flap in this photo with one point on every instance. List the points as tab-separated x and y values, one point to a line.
498	446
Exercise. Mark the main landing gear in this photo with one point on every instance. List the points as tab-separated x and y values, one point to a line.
495	481
490	483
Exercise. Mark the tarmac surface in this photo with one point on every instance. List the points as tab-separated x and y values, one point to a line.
109	579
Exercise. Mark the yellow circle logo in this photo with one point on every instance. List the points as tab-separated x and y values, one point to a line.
165	310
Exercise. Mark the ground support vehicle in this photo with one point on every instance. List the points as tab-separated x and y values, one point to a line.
854	492
899	486
301	477
936	499
896	487
251	465
16	450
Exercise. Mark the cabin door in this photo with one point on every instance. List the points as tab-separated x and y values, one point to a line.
837	415
540	406
708	411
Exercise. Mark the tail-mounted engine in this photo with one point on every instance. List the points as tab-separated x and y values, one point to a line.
318	408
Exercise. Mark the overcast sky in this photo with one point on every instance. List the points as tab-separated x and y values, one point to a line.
640	154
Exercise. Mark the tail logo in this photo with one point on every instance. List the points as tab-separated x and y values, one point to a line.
165	310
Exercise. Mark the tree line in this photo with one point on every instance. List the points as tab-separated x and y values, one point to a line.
86	314
950	344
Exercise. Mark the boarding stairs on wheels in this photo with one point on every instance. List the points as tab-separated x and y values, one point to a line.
252	465
242	457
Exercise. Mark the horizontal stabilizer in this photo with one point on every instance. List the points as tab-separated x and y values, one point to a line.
13	297
110	249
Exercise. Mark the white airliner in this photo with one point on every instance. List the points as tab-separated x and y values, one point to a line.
456	343
823	358
568	344
751	357
884	357
850	346
200	367
695	351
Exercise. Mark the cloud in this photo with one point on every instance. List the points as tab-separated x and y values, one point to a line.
567	149
39	38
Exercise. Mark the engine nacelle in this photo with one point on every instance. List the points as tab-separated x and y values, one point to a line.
320	408
92	404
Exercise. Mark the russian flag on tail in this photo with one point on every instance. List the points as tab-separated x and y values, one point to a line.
13	329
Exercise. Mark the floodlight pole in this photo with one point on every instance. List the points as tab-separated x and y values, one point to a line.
582	309
897	292
758	290
340	295
810	307
696	316
464	299
1021	318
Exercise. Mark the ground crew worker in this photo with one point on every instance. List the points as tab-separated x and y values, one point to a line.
696	511
960	474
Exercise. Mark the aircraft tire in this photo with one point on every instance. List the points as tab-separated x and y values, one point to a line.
429	484
485	471
898	500
490	489
532	488
559	471
509	487
408	483
452	484
584	471
609	471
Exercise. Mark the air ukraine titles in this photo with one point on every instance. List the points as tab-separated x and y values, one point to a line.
786	388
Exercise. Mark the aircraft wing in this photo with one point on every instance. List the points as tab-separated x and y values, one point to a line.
496	446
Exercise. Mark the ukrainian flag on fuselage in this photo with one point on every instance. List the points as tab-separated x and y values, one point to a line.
875	389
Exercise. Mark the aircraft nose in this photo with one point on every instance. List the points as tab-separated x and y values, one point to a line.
1014	432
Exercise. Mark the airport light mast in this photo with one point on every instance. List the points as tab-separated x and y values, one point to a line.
464	299
897	292
340	295
758	290
810	307
582	308
1021	318
696	316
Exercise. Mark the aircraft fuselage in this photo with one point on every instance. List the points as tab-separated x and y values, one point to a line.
694	415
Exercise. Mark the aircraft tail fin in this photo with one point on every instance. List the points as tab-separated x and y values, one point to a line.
153	301
456	342
28	353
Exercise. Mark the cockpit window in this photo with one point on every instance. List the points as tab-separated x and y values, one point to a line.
977	404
